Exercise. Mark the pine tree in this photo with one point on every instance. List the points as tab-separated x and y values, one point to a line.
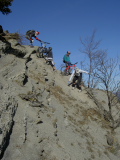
4	6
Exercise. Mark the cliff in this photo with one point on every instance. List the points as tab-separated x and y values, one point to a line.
41	118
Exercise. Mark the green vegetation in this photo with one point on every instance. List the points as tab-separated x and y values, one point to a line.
4	6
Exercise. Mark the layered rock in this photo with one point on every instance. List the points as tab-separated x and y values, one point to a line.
44	119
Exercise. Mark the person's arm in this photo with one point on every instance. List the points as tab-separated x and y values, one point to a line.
33	35
37	39
82	71
71	77
64	58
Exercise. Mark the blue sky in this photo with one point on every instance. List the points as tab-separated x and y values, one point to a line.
63	22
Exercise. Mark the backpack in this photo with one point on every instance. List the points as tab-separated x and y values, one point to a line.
29	31
63	61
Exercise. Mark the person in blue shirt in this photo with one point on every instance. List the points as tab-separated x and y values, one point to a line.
66	58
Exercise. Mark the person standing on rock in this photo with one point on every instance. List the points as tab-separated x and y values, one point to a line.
66	59
49	58
76	78
32	33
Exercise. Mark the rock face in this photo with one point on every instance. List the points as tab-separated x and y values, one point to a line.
44	119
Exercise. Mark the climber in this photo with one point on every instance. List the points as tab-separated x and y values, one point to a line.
49	57
32	33
76	78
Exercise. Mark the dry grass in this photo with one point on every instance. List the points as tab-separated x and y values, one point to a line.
58	92
39	77
17	36
91	113
112	149
86	115
72	119
58	89
94	115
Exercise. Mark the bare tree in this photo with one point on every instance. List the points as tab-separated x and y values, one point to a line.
108	76
90	48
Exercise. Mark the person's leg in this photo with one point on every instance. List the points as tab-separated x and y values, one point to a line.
69	68
50	54
74	81
79	82
53	65
30	39
50	60
28	36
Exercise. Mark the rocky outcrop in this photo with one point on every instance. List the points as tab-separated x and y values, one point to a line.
44	119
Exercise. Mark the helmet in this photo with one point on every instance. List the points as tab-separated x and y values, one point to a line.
77	70
37	32
68	52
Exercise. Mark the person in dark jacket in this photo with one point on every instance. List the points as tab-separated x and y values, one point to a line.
49	57
32	33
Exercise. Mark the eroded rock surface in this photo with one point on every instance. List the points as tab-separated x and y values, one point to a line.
44	119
